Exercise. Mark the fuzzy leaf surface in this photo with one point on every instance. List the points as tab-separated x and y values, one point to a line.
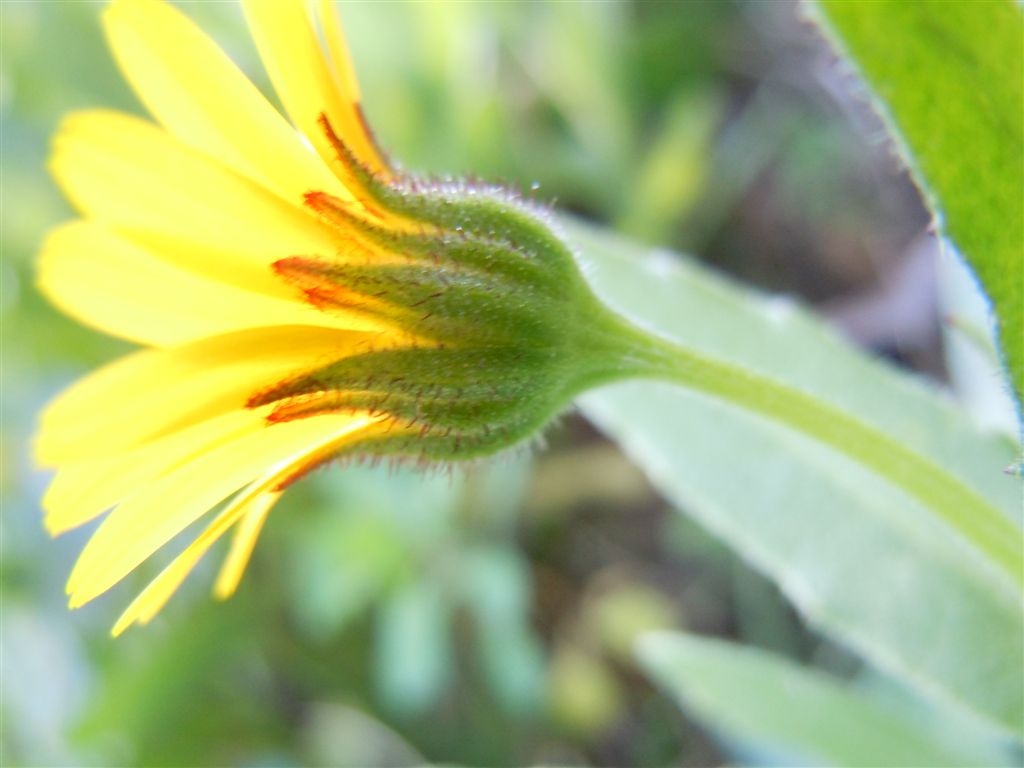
946	77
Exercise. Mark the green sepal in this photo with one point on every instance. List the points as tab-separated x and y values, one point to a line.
501	329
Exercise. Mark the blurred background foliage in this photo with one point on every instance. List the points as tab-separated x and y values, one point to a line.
485	617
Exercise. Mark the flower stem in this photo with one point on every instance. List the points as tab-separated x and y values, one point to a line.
985	526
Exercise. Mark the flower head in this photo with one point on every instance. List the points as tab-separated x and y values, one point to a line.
301	299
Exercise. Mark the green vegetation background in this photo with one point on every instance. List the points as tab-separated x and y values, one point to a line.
486	617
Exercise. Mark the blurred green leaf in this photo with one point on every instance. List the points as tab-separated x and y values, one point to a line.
576	64
413	655
947	79
496	587
970	353
862	560
764	700
182	677
343	563
340	736
672	174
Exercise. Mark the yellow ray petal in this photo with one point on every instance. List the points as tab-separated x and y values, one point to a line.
339	58
192	88
252	503
83	490
105	281
304	80
149	519
155	391
135	176
249	509
242	543
362	141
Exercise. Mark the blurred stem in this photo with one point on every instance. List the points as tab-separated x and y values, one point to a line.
975	519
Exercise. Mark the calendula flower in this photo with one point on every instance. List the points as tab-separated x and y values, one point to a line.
300	299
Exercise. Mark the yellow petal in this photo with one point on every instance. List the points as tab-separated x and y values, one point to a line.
359	136
153	392
111	284
248	530
153	598
136	177
192	88
83	490
339	58
304	79
249	510
150	518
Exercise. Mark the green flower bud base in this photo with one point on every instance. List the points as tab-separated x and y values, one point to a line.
504	332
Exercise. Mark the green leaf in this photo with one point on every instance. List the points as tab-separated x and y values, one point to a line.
414	660
766	701
947	79
495	588
862	559
671	176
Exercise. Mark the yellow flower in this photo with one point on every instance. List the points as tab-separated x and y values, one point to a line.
300	299
182	221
